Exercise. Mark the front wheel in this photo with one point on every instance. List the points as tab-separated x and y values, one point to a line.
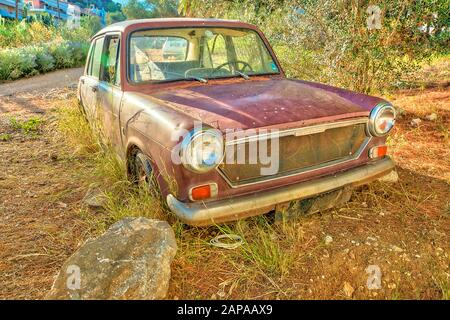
143	174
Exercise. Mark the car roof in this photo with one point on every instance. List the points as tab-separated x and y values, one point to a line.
130	25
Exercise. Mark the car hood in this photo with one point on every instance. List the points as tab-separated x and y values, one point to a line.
261	103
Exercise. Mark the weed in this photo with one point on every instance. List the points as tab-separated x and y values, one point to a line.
441	282
29	126
123	198
261	245
5	137
75	127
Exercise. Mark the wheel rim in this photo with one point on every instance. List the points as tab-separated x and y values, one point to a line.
143	172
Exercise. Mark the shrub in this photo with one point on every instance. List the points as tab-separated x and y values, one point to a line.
62	54
329	41
44	60
17	63
31	60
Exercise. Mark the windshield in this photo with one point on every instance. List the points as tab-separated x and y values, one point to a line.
197	53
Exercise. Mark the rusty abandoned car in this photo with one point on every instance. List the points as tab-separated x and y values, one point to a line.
147	81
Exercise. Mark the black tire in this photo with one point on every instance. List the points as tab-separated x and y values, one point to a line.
142	172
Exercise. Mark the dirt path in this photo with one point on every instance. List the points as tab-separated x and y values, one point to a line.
39	190
404	229
45	82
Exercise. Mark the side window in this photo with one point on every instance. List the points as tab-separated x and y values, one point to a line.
97	57
110	60
91	54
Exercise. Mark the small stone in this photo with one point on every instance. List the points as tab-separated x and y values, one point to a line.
415	122
431	117
328	239
94	198
396	249
61	204
348	289
364	205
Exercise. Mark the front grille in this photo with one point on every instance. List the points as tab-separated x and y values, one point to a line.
301	152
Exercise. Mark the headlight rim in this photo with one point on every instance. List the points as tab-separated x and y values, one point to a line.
374	115
190	138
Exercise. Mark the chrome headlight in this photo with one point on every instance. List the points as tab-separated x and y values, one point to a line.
202	150
381	120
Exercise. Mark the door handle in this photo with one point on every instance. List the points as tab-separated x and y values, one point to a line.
94	88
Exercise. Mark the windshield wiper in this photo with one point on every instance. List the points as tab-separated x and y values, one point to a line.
243	75
200	79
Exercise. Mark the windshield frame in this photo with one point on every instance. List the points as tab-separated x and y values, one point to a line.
147	82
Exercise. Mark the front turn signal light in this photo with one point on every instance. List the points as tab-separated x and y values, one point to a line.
203	192
377	152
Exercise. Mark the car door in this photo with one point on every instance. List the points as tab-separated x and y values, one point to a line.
109	92
89	81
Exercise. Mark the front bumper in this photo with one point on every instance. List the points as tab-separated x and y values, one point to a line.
200	213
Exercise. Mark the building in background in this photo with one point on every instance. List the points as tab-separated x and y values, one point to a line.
74	16
58	11
61	10
94	11
8	9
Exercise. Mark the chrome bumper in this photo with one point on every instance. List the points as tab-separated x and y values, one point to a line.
200	213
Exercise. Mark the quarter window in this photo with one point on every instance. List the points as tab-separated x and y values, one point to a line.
96	58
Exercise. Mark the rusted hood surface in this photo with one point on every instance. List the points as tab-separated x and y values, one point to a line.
263	103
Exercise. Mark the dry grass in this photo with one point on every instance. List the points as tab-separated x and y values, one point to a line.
108	173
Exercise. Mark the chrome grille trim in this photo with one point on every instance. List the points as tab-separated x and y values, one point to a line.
302	131
299	132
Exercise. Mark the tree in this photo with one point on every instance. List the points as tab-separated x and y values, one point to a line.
113	17
91	23
164	8
136	9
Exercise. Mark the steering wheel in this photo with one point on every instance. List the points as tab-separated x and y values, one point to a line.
230	63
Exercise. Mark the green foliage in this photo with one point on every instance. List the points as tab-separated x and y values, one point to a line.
27	49
113	17
139	9
13	35
31	125
91	23
35	59
136	9
5	137
329	41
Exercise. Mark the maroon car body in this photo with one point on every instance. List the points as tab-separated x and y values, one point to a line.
143	116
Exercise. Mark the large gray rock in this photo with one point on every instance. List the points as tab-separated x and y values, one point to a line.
130	261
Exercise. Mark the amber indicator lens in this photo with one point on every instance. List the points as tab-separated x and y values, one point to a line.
201	192
378	152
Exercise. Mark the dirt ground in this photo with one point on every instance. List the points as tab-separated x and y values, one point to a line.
403	229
